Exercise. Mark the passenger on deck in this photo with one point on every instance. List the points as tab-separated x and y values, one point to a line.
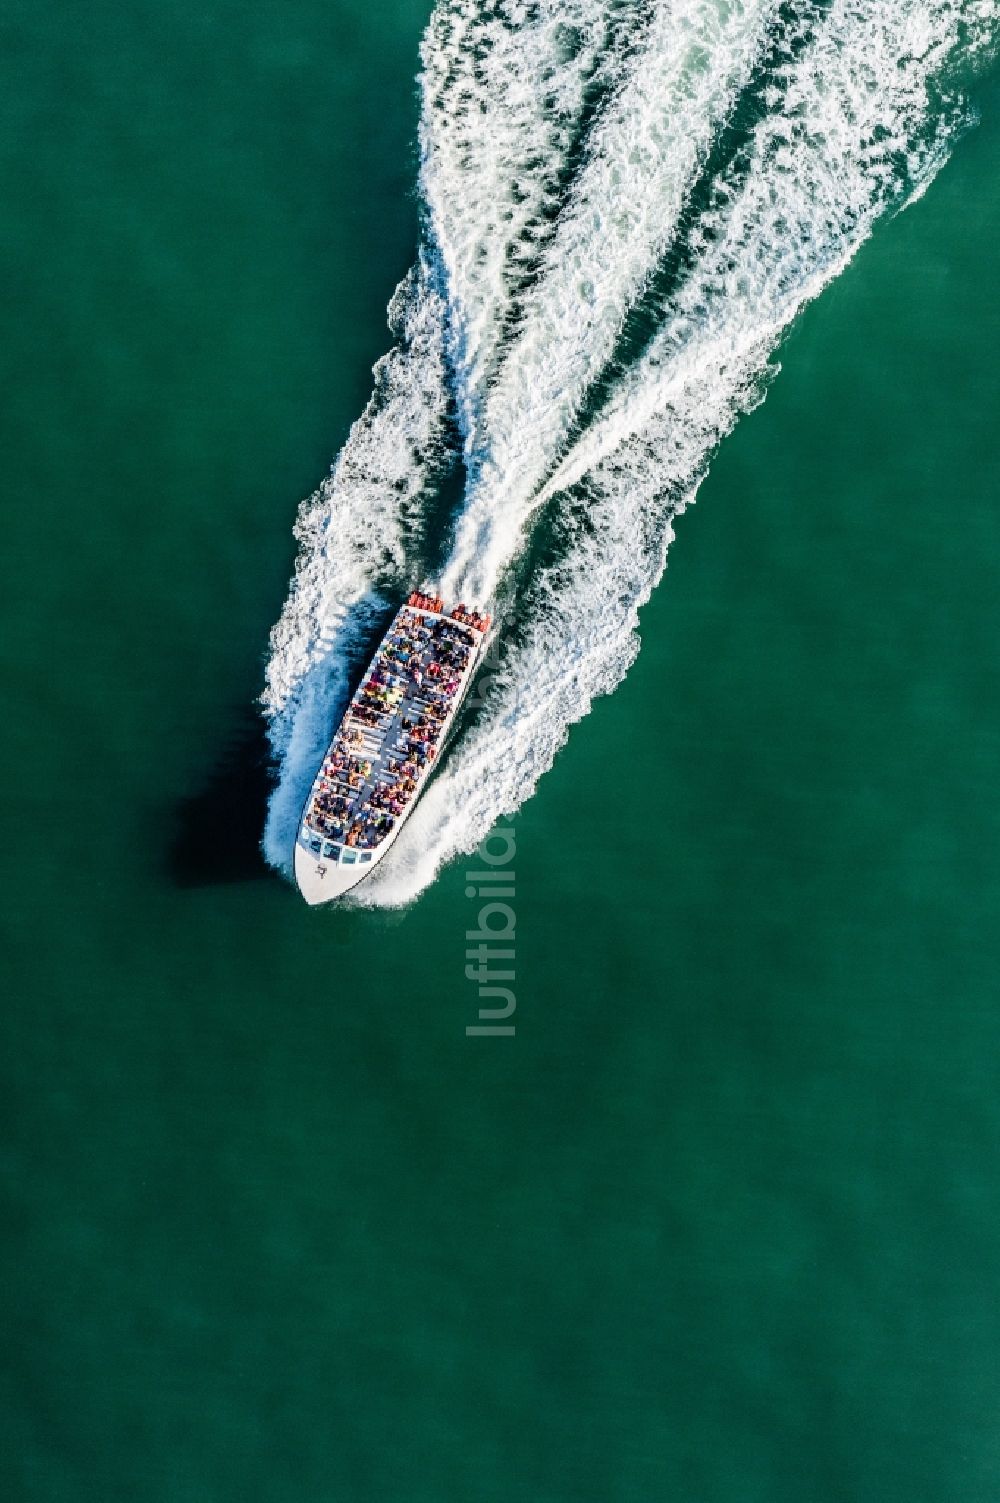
415	676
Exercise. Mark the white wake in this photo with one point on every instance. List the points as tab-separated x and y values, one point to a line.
550	209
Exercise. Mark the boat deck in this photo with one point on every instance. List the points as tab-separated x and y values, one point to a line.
385	746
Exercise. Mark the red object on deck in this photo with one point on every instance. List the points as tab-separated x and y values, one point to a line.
425	602
460	613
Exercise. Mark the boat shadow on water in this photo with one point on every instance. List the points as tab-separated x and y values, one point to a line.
217	832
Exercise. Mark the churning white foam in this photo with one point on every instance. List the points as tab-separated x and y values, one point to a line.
504	87
860	110
641	159
354	535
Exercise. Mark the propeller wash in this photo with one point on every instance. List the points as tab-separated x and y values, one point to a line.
625	206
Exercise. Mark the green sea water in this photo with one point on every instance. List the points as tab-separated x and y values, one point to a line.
722	1221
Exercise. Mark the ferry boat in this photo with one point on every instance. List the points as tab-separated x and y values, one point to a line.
386	746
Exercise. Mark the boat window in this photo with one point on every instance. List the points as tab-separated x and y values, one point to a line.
314	845
397	719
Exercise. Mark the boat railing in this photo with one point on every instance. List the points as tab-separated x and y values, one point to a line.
419	637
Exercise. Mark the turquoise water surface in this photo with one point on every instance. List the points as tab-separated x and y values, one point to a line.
721	1222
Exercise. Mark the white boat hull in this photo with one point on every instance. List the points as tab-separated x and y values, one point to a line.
322	881
326	869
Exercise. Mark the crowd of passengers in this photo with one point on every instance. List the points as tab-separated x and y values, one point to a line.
471	618
423	660
460	613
